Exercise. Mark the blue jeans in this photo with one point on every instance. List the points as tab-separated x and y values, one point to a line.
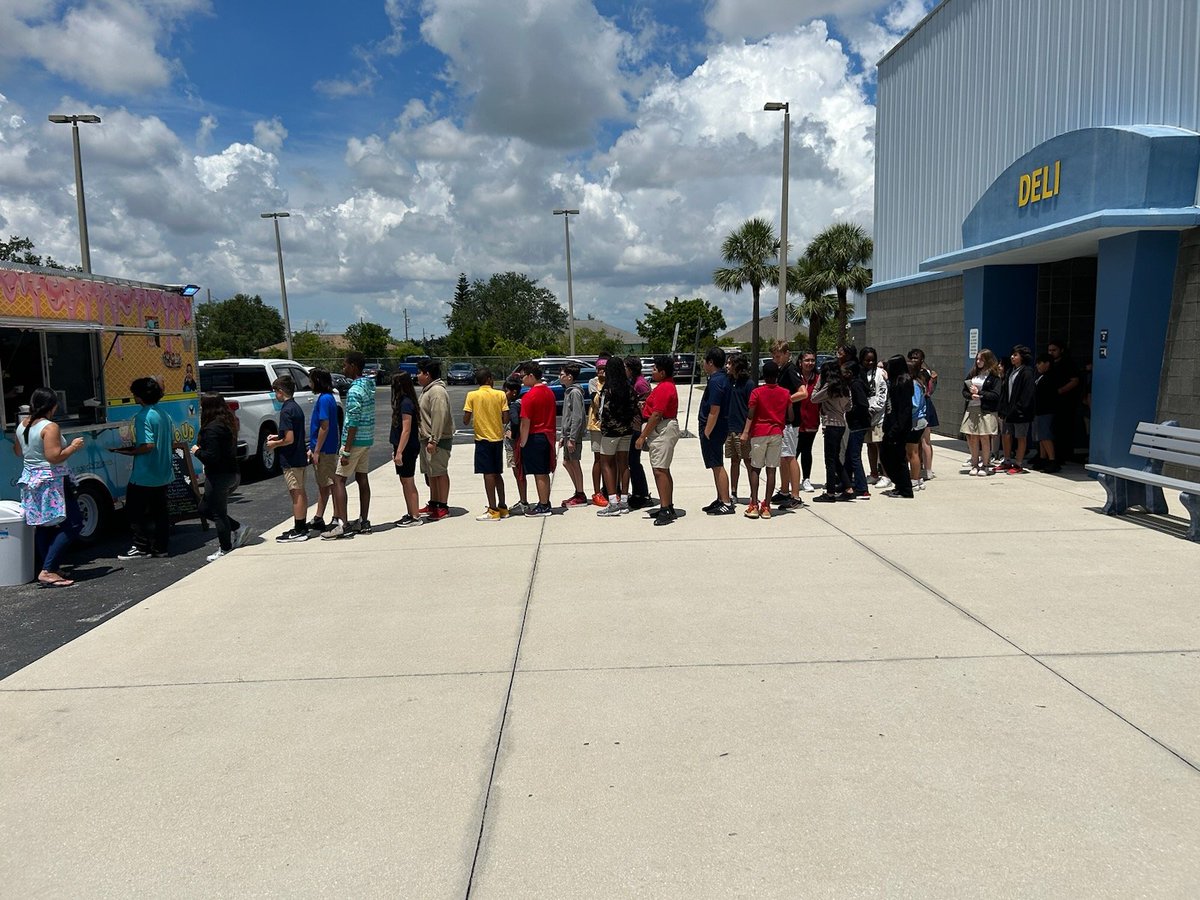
50	541
836	480
854	466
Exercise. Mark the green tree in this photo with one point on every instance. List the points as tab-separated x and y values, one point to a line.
369	338
508	306
840	255
593	341
311	345
238	326
817	306
748	250
657	327
20	249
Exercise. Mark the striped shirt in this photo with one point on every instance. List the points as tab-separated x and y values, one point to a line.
360	411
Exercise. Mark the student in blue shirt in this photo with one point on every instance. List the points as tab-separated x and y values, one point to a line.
323	442
146	496
714	428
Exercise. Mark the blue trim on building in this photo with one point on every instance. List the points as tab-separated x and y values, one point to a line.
909	281
1113	221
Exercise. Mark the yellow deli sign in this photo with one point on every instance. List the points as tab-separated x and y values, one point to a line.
1040	184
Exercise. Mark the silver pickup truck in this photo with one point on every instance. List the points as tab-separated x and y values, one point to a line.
246	385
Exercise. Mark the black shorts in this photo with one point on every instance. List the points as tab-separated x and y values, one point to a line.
489	457
535	455
914	436
408	465
712	449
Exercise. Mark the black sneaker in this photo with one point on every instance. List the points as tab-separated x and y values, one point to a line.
793	503
825	498
135	553
843	497
712	506
407	521
539	509
291	536
364	527
638	502
663	517
353	527
723	509
780	497
317	524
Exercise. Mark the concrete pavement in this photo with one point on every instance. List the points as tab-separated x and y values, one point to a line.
988	691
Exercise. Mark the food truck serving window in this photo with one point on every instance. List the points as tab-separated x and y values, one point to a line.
67	362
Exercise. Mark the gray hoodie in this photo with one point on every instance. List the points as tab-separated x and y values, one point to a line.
573	420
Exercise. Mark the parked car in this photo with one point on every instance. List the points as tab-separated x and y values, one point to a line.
559	391
460	373
341	384
379	372
552	364
246	384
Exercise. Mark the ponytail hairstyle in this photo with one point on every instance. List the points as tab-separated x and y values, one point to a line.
41	403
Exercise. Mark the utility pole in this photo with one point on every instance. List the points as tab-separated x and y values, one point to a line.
406	324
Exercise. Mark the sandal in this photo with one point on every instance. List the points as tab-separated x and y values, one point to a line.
57	583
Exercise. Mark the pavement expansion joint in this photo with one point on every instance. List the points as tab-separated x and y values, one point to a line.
225	682
898	567
772	663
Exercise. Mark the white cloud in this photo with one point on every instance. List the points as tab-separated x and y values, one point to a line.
871	39
122	40
759	18
270	135
208	124
547	72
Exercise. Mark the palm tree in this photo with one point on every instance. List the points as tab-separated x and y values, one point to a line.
840	255
749	250
818	305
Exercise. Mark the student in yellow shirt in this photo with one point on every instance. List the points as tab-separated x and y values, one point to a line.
486	409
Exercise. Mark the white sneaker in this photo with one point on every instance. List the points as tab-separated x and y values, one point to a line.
872	479
241	536
929	476
884	483
213	557
486	517
807	487
919	484
974	470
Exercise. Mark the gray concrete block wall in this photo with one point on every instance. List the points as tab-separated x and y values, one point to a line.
1179	387
929	316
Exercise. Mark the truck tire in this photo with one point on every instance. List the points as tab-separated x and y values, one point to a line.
268	460
96	507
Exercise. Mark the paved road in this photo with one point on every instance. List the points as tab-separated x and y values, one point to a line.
35	621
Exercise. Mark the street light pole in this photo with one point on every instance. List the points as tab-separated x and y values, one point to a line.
85	252
287	321
566	214
780	333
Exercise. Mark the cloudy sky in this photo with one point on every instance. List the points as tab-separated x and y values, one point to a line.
415	139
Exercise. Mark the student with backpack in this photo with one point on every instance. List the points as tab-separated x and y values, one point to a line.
919	423
858	425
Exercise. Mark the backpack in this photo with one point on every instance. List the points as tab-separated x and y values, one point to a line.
918	409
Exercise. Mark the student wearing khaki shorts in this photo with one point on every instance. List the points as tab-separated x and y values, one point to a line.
289	443
660	434
765	419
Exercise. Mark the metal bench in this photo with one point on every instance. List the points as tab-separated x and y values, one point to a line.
1157	444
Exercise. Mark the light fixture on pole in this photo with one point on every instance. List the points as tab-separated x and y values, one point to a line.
287	322
85	251
566	214
781	317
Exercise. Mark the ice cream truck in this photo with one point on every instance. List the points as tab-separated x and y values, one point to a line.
87	337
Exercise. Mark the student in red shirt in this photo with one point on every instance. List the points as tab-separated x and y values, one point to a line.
538	429
661	433
767	415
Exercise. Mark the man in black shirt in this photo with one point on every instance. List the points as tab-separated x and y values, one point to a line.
1065	378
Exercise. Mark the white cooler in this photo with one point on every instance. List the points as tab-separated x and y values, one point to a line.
16	545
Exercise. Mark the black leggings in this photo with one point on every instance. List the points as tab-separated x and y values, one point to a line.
894	458
804	445
637	475
836	481
215	506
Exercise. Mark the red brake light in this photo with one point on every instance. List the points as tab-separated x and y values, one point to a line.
233	405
